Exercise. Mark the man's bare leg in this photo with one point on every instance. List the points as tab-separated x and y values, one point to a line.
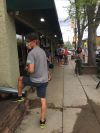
20	88
49	75
43	109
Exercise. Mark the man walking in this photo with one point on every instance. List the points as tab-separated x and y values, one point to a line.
37	68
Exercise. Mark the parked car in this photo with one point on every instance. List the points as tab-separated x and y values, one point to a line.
97	55
98	60
72	53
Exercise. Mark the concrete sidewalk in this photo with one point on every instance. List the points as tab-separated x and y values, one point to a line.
73	104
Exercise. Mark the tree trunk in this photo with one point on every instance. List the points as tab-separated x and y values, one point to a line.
91	45
80	39
91	36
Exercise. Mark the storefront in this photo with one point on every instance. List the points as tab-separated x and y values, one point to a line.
21	17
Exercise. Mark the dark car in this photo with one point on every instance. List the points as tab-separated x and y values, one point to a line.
98	60
97	55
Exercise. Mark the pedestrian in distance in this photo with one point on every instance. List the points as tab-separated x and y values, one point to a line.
66	53
49	62
78	61
61	55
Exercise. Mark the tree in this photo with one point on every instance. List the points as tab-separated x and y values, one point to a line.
93	13
68	45
78	12
88	11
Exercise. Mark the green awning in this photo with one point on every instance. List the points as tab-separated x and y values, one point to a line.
29	4
30	12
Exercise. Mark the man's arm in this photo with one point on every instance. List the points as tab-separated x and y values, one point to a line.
30	68
30	63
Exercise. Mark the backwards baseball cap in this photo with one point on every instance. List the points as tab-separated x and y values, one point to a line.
32	36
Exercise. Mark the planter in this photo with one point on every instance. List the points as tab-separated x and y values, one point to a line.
89	69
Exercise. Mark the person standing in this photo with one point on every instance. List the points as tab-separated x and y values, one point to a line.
49	61
61	55
38	71
66	56
78	61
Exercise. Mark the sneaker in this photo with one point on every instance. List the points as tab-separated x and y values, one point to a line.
19	99
42	124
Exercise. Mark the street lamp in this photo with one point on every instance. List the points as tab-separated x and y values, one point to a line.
42	19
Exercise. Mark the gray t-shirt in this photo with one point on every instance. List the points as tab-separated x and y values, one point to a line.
37	57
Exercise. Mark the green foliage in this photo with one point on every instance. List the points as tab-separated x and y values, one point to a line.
80	5
68	45
77	9
89	2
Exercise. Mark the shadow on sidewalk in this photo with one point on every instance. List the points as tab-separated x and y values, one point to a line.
88	120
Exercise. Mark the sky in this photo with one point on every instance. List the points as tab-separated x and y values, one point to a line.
67	32
66	29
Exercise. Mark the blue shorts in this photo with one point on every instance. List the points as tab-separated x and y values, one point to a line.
40	87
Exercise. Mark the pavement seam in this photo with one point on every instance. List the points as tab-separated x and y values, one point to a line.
63	102
78	107
56	108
